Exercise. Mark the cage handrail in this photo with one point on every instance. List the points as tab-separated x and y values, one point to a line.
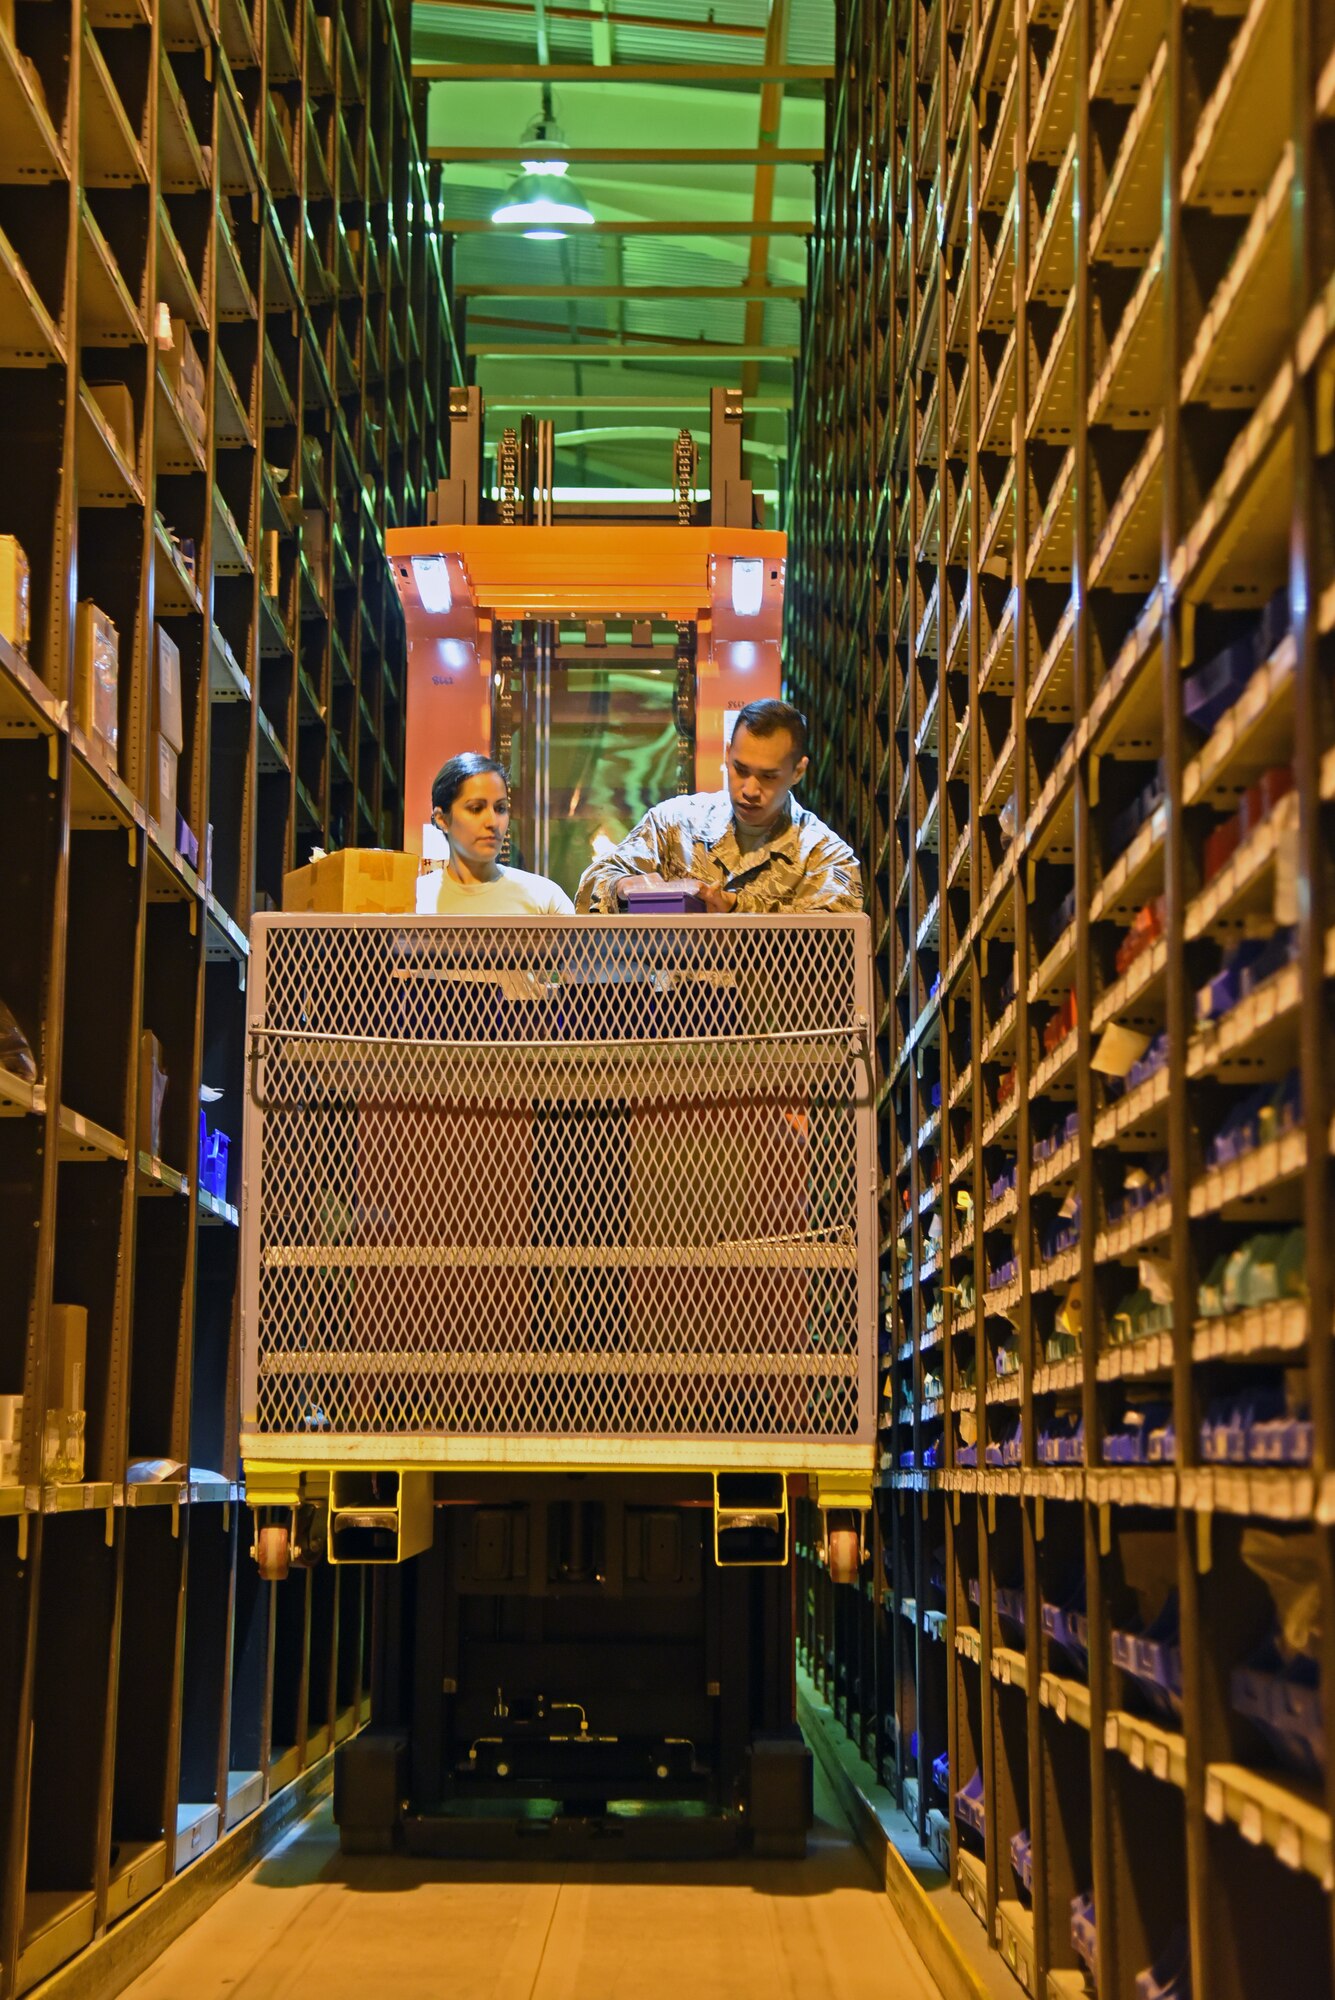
855	1032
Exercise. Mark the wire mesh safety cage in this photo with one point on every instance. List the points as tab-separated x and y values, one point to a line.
560	1178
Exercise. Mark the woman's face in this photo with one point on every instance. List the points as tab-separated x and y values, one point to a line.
479	819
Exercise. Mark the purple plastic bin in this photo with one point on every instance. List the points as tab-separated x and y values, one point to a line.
1011	1607
970	1808
1284	1701
1169	1978
1084	1934
1212	690
661	899
1022	1860
1152	1659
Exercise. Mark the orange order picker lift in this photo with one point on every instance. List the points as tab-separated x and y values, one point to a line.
559	1234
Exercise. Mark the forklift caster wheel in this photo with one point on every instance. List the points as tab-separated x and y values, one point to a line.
273	1553
845	1555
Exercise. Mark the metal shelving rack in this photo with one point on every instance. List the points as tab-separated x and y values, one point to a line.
1064	438
257	169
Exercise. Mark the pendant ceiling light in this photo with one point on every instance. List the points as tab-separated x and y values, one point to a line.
543	196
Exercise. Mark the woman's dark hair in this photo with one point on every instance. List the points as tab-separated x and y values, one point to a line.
452	776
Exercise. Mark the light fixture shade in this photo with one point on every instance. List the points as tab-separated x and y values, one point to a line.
547	208
748	585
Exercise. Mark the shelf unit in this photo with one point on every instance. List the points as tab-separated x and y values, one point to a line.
249	179
1061	603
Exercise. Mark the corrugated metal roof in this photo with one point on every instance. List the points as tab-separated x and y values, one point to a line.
810	32
626	116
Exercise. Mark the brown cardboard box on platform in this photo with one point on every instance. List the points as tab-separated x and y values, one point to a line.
362	880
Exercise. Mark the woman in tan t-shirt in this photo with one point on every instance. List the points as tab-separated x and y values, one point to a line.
470	803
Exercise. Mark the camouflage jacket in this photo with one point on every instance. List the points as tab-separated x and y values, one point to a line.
802	867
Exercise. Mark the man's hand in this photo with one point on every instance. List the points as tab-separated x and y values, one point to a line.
719	902
625	883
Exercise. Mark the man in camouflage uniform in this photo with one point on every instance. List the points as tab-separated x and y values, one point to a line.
750	848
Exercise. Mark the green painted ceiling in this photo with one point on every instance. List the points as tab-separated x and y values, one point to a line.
617	415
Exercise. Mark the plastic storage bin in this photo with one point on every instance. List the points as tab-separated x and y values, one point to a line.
1084	1934
1152	1660
1283	1700
1169	1977
1067	1627
970	1809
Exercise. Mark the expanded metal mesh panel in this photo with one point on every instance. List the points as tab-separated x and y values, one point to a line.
559	1179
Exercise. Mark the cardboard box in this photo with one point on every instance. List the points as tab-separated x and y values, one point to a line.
15	594
116	403
168	717
152	1091
182	366
97	674
184	373
315	544
270	564
162	771
365	880
66	1357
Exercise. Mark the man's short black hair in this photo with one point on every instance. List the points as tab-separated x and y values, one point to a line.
767	718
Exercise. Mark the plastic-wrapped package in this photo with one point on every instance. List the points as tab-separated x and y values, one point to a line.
15	1050
1279	1689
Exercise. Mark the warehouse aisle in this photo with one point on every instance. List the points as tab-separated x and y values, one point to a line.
306	1921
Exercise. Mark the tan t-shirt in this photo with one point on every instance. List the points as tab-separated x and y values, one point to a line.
513	893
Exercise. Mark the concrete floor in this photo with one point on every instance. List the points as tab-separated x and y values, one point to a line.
307	1922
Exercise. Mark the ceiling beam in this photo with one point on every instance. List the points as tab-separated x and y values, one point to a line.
741	225
723	293
687	401
748	76
762	204
508	324
748	30
636	156
630	350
